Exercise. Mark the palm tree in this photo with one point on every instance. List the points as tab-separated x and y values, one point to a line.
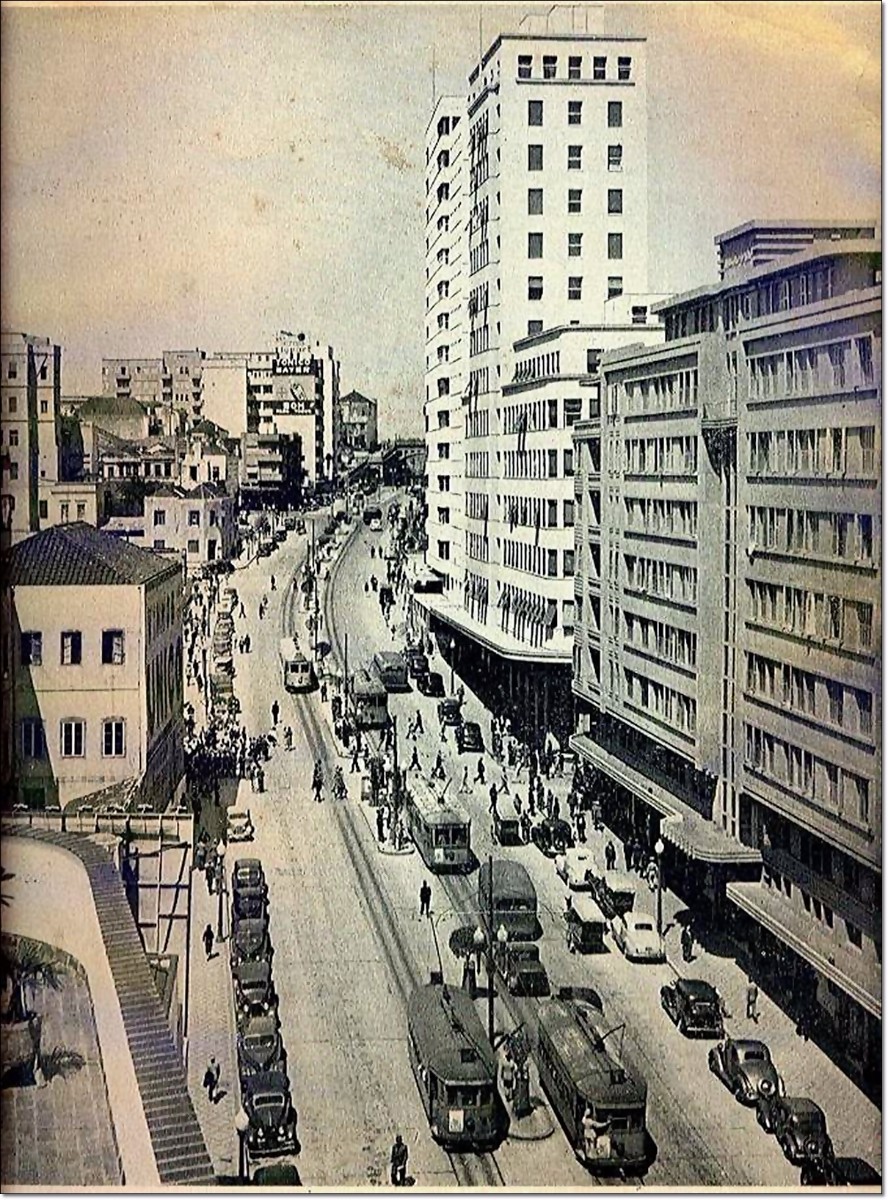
25	964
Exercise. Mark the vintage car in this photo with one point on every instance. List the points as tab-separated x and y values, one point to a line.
469	739
799	1126
247	873
431	684
636	935
254	993
417	663
572	865
248	902
552	836
523	971
249	941
269	1108
450	711
259	1045
745	1068
240	825
694	1006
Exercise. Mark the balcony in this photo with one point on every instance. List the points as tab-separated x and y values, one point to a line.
719	414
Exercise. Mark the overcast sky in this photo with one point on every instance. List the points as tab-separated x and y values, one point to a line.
204	176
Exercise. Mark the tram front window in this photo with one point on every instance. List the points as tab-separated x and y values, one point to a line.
463	1096
623	1119
452	835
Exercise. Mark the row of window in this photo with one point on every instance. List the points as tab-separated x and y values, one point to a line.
536	201
663	703
575	113
12	369
477	547
576	67
533	416
667	581
135	470
832	787
661	518
574	157
72	738
477	506
71	648
829	700
537	464
477	464
659	393
575	245
162	615
832	619
844	536
779	295
814	370
478	420
672	645
536	560
660	456
814	452
532	512
574	287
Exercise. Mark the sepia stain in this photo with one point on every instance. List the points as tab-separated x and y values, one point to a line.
392	153
260	204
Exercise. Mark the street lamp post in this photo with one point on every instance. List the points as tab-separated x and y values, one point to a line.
220	851
452	652
242	1125
658	850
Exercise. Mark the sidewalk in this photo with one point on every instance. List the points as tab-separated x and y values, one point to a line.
212	1031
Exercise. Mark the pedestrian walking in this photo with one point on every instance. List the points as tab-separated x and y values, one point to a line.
208	938
470	976
273	585
425	899
211	1078
438	770
752	996
414	760
628	852
288	737
464	787
380	824
275	712
356	760
418	726
324	691
494	797
525	827
580	821
479	774
610	856
399	1162
687	944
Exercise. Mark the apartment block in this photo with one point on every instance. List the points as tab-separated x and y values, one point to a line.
30	391
96	647
728	608
551	146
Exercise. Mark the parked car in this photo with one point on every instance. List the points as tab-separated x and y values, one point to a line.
553	836
637	937
431	684
260	1046
450	711
278	1175
249	941
523	971
247	873
694	1006
840	1172
254	993
269	1108
799	1126
417	664
247	902
469	739
745	1068
240	825
572	865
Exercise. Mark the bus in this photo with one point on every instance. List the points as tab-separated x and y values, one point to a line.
601	1106
373	517
440	827
507	899
391	667
295	667
614	891
370	701
455	1069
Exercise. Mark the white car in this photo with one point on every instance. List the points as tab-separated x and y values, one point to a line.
240	825
637	937
572	865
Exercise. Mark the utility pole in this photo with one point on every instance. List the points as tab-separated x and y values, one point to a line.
490	989
396	785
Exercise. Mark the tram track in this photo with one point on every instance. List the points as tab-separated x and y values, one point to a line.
470	1170
702	1164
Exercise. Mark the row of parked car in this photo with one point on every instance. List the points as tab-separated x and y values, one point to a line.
261	1056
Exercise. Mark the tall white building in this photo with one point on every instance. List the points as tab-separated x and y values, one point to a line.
547	169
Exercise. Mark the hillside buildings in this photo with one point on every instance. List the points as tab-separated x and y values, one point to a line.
536	263
728	608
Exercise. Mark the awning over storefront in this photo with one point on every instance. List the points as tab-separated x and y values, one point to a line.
803	936
693	834
499	641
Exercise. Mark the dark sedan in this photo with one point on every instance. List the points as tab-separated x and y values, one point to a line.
694	1006
430	684
799	1126
469	739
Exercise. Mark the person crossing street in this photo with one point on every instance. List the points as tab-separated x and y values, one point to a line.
425	899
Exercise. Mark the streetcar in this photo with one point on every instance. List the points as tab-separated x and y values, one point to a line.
455	1069
440	827
373	517
295	667
600	1105
507	899
370	701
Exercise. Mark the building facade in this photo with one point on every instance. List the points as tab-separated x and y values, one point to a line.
727	636
357	423
170	388
199	523
552	146
96	647
30	394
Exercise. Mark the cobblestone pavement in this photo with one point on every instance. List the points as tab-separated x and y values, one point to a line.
62	1134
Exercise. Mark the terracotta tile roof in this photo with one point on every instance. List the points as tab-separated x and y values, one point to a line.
81	555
